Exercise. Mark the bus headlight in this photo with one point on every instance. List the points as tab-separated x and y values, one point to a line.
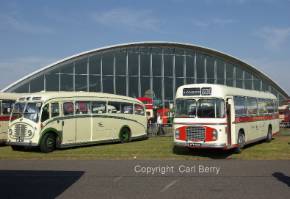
176	134
29	133
215	135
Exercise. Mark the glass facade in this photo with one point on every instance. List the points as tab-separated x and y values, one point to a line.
142	69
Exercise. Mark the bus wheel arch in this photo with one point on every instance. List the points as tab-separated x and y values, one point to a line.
241	141
269	133
49	141
125	134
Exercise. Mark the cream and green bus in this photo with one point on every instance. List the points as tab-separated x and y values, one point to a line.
51	120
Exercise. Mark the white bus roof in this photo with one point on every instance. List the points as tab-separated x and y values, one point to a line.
9	96
46	95
222	91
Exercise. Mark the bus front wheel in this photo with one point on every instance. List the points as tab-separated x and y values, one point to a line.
269	134
125	135
241	142
48	143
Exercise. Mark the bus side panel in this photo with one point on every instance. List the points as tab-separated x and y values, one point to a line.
69	130
83	129
3	129
101	128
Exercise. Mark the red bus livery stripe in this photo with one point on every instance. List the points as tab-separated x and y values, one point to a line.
255	118
4	118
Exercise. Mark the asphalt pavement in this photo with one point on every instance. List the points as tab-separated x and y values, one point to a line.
127	179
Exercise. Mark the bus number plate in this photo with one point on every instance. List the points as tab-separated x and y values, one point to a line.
19	139
193	144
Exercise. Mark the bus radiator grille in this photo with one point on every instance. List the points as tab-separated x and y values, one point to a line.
195	133
20	130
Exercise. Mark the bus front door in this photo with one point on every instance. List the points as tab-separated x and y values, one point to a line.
230	118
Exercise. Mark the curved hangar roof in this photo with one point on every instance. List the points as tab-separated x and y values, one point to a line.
204	50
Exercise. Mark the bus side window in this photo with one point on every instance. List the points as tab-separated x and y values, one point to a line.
127	108
45	113
139	109
98	107
54	109
6	107
252	106
82	107
114	107
68	108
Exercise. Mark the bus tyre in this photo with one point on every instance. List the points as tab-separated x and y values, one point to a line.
17	148
241	142
124	135
48	143
269	135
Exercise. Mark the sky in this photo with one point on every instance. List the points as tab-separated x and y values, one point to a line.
35	33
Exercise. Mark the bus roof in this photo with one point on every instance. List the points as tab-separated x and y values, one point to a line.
47	95
9	96
220	91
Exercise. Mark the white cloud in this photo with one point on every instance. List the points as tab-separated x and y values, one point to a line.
20	25
128	18
212	22
274	37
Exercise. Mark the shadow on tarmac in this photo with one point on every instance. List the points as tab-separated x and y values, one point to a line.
282	178
36	184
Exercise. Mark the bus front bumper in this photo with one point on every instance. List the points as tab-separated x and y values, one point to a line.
27	144
200	145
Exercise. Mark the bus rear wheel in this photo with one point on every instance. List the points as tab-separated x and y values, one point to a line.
48	143
241	142
269	135
124	135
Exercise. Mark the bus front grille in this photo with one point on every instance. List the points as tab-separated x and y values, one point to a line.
195	133
20	130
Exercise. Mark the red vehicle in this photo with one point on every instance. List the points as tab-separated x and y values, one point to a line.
148	102
284	114
164	114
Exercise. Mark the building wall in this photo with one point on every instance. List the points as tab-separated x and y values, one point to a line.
134	70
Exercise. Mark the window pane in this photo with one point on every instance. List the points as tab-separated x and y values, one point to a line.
262	105
168	82
178	82
126	108
248	80
22	89
239	77
95	83
66	82
67	68
37	84
220	72
230	71
139	109
54	109
252	106
145	65
168	65
81	66
108	84
240	106
145	85
95	64
189	66
133	87
121	85
133	64
200	68
114	107
68	108
157	87
81	82
156	65
6	107
83	107
52	82
257	84
108	61
179	66
120	63
210	69
98	107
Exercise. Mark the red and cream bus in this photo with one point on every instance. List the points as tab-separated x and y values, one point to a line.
217	116
6	102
